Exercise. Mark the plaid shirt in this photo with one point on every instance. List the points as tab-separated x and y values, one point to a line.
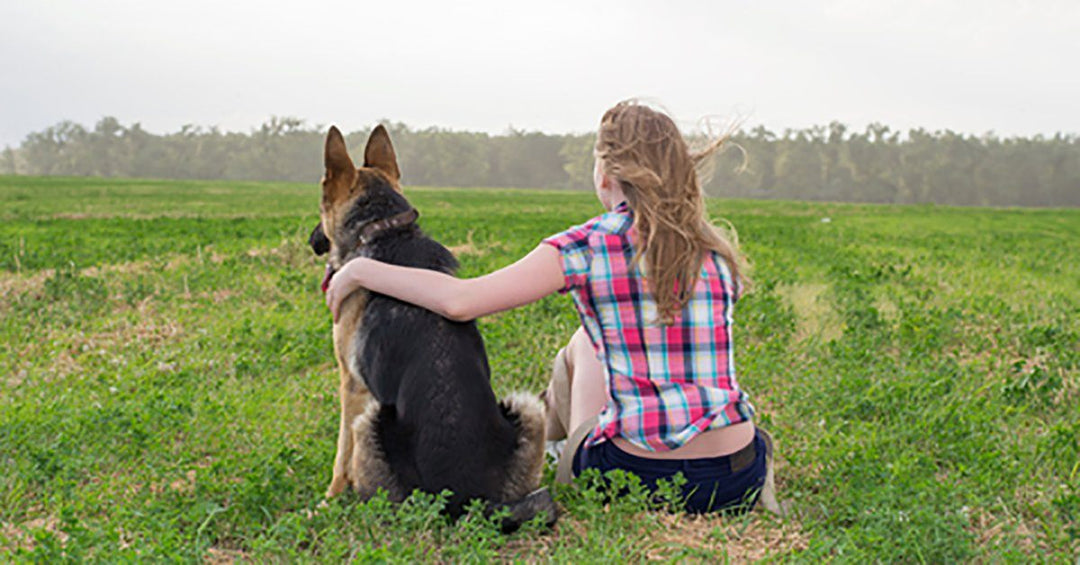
667	383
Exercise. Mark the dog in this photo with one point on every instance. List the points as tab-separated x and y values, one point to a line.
417	407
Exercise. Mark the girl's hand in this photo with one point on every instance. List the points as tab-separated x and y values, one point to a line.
345	282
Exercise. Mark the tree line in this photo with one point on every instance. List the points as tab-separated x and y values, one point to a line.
833	162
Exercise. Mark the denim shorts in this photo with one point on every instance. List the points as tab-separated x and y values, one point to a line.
710	483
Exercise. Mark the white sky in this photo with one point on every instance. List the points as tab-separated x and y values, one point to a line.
1007	66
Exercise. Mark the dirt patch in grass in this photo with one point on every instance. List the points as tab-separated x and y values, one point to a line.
173	215
469	247
814	316
220	295
126	215
12	285
146	330
992	531
737	540
217	556
677	537
293	253
888	310
66	351
184	484
21	536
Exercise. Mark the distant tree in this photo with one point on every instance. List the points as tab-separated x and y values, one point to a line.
745	166
798	163
527	159
830	162
58	150
577	156
105	148
8	165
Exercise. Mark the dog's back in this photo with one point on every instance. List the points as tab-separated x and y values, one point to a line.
440	425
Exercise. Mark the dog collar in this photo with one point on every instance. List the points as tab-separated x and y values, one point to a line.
372	229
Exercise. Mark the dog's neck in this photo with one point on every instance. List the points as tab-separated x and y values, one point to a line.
372	229
381	211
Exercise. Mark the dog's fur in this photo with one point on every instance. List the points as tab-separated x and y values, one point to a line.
417	408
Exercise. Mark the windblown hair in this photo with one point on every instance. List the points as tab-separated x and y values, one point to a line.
644	151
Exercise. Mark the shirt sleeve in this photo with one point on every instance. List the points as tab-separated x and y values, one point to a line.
575	253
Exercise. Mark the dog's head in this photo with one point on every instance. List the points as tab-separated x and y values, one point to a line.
346	190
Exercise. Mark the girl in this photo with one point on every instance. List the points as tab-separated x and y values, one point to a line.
647	383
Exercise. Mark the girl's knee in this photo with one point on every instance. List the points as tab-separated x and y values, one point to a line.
579	345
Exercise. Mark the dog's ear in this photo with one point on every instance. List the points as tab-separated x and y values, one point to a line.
320	244
379	154
340	170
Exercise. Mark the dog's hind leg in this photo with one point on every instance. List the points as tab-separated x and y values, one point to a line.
526	413
369	468
354	400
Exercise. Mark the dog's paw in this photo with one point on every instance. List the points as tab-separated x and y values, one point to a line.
337	486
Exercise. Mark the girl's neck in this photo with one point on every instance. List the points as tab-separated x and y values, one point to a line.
612	197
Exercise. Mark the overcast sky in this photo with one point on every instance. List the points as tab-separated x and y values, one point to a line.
1007	66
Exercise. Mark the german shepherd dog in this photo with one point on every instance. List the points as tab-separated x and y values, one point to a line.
417	408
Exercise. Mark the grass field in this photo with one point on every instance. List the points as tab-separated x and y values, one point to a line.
167	390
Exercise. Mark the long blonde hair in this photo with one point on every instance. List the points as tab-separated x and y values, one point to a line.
643	150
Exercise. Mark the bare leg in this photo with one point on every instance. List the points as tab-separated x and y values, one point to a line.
578	378
588	391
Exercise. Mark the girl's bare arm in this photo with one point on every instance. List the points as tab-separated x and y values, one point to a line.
531	278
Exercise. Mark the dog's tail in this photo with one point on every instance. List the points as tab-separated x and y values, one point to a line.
536	503
525	413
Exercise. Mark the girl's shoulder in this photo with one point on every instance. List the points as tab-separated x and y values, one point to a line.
616	222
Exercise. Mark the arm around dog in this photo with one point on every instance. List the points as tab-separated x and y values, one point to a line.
531	278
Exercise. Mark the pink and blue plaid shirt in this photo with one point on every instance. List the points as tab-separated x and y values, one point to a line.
667	383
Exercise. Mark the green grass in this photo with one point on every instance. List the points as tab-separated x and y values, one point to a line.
167	390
